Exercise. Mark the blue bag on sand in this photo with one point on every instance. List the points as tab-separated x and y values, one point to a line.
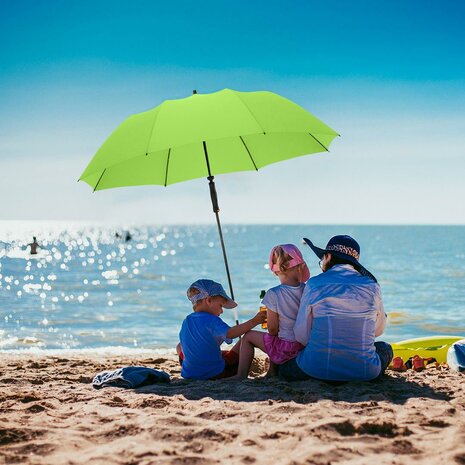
456	356
130	377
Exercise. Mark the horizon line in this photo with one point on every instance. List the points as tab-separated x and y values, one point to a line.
208	223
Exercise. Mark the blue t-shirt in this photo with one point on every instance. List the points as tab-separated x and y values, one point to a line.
201	336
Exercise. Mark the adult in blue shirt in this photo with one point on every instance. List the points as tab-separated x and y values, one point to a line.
340	314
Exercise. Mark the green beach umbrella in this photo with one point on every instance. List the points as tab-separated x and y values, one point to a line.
204	135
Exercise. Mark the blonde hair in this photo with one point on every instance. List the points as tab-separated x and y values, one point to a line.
281	259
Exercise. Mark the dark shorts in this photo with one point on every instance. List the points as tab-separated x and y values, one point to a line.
290	371
231	360
385	354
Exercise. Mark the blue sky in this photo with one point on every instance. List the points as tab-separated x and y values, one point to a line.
389	76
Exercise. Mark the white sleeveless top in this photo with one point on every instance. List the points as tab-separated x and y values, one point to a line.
285	301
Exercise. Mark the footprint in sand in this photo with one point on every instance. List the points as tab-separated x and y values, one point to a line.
347	428
122	431
36	381
12	435
156	361
36	449
248	442
175	421
154	403
37	365
186	435
216	415
191	460
36	408
248	459
402	447
384	429
332	456
10	381
435	423
275	435
212	435
195	447
28	398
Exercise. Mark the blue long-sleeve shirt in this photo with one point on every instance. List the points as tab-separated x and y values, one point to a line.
340	314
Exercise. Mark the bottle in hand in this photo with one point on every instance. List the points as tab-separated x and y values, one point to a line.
263	309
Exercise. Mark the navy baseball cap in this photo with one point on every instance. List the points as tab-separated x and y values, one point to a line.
209	288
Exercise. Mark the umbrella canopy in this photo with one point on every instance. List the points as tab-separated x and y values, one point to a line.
204	135
240	131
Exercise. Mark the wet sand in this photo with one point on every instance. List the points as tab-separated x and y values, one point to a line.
51	414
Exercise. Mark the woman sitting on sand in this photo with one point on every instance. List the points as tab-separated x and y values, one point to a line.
340	314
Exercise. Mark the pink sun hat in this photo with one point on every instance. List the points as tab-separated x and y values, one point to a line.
296	259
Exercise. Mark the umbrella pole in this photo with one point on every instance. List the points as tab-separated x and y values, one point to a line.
216	209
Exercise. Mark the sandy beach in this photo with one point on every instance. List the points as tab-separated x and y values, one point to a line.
51	414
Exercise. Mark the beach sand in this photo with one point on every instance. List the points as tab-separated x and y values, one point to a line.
50	414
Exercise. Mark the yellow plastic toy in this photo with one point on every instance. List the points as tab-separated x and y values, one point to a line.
434	346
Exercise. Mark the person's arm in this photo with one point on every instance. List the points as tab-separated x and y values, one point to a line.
304	320
272	316
239	330
303	325
272	319
380	315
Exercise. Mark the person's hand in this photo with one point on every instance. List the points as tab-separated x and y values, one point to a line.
259	318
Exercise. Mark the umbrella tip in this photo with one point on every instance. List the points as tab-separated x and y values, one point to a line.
194	92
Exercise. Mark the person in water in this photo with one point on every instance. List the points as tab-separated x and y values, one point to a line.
127	236
340	314
203	332
282	303
34	245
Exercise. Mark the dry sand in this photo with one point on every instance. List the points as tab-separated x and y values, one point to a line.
50	414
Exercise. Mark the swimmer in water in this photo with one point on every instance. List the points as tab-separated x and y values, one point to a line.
34	245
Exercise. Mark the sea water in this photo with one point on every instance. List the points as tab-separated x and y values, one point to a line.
89	289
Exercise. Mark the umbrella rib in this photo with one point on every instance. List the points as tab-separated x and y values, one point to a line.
250	111
206	157
248	151
151	130
318	141
99	179
167	163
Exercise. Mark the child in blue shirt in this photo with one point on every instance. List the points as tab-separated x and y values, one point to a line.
203	332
